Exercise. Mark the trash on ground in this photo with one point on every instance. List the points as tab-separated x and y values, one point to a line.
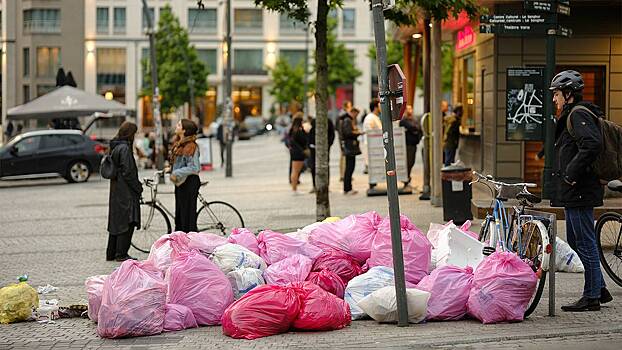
244	280
329	281
381	305
361	286
566	259
295	268
320	310
205	242
274	247
46	289
17	302
94	288
245	238
449	288
338	262
178	317
229	257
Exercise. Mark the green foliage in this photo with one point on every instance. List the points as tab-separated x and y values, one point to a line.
341	68
407	12
175	58
395	52
447	67
287	82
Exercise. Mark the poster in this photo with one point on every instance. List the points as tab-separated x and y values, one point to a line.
375	151
525	104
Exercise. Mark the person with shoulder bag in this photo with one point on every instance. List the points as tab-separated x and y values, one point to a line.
125	192
298	150
350	147
184	159
577	187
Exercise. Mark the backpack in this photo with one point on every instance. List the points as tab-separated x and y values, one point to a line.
107	168
608	164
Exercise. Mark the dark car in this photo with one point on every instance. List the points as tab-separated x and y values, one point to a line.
46	153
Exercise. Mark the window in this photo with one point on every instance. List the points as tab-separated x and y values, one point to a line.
43	89
26	62
202	21
248	21
348	21
42	21
208	57
111	72
102	20
48	61
145	21
248	62
293	57
119	20
52	141
289	25
28	145
26	91
466	91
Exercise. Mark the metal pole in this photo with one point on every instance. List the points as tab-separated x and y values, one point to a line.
387	132
155	101
549	137
425	126
228	119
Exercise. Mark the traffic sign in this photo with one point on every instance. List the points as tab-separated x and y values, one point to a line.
397	91
560	6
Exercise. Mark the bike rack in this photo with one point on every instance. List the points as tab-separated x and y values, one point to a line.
553	240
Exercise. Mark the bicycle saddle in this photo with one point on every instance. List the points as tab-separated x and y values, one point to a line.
531	198
615	185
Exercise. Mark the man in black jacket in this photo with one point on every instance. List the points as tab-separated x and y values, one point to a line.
577	188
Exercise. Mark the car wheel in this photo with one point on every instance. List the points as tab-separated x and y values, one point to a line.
78	171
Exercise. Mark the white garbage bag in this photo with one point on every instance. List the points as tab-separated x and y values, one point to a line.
566	259
381	305
363	285
231	256
244	279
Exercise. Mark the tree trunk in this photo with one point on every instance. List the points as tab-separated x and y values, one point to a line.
321	109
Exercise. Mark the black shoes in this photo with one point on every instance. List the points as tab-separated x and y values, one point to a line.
583	304
605	296
123	258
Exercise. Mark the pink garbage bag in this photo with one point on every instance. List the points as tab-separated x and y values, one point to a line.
205	242
329	281
94	289
466	228
320	310
449	288
338	262
274	247
503	285
132	301
296	268
166	247
178	317
352	235
416	247
196	282
245	238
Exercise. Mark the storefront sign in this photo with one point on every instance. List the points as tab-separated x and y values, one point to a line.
525	104
466	38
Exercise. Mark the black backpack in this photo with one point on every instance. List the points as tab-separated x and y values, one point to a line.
107	169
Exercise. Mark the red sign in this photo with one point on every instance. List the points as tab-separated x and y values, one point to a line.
466	38
397	90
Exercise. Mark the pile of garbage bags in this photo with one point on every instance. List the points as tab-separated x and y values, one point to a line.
318	278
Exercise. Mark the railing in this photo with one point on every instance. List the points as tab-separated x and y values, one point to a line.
41	26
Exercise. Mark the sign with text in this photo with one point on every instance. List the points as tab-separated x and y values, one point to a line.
397	90
525	104
560	7
376	156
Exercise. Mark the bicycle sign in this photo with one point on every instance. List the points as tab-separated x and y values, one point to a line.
525	104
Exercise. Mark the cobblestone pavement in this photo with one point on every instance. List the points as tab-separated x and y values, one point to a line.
55	232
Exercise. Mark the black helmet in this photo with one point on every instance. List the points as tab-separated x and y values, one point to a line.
568	79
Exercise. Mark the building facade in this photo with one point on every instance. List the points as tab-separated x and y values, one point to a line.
38	38
115	43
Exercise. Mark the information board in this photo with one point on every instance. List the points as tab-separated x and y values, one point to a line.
376	154
525	104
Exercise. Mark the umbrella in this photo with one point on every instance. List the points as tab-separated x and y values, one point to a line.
66	102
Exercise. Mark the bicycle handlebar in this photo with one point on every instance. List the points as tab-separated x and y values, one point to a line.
490	179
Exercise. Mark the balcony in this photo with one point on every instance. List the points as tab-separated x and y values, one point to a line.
41	26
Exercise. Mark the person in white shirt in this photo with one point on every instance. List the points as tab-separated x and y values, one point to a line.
371	122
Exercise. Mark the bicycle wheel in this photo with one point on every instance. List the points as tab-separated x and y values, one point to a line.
219	218
153	224
609	240
532	245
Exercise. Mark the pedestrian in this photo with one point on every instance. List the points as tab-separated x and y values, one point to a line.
413	133
451	134
125	192
184	158
220	136
19	130
577	188
298	150
347	106
8	131
349	134
371	122
311	140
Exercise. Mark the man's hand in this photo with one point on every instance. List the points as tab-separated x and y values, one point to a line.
173	178
568	181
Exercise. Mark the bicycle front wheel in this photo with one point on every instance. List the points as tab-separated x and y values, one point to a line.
153	224
218	217
609	240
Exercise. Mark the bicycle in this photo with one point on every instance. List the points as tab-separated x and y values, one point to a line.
526	235
609	239
215	217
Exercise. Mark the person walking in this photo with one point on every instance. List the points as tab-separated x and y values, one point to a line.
576	187
349	134
311	142
451	135
184	158
124	197
347	106
413	133
220	136
298	150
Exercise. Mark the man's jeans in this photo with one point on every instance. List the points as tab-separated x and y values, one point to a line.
581	237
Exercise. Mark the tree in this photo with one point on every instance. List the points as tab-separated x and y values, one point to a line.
287	82
341	70
395	51
298	10
178	64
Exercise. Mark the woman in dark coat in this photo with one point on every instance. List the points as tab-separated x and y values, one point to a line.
297	146
125	191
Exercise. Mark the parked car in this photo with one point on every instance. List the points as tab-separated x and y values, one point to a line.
47	153
252	126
